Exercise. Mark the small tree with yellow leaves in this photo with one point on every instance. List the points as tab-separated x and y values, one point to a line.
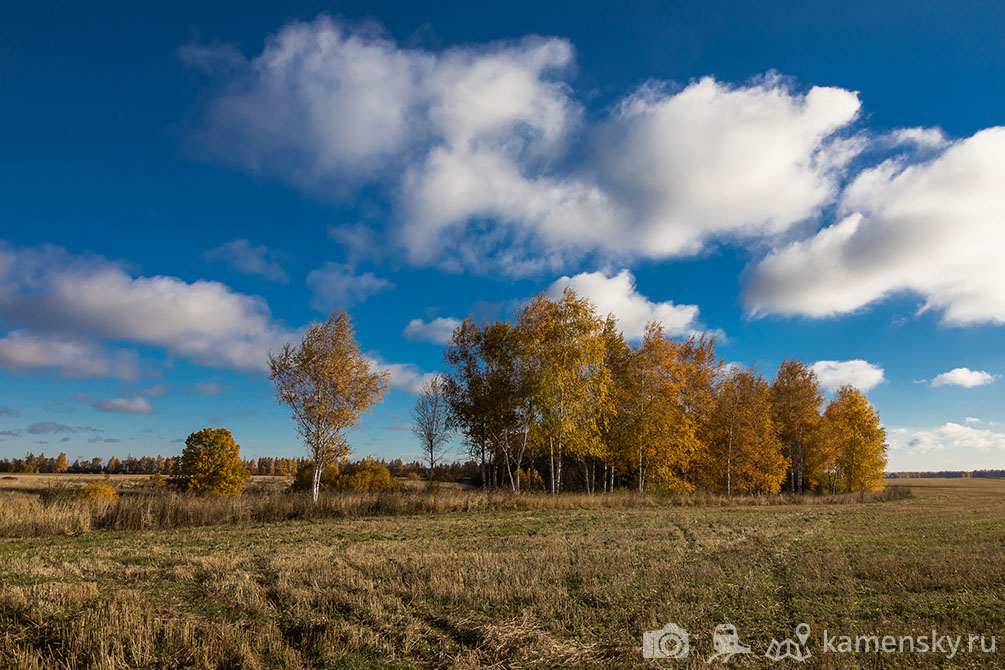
327	383
859	440
211	464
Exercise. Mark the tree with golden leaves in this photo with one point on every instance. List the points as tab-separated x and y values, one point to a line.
211	464
617	429
859	440
564	340
663	438
797	402
328	384
700	370
744	454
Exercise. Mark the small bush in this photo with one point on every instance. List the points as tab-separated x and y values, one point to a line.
363	475
305	474
157	480
96	491
414	476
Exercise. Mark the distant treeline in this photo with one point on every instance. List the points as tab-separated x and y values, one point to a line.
148	465
948	474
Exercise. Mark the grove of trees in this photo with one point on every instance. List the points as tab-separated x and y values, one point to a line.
558	394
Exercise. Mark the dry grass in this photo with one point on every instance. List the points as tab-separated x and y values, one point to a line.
540	586
58	510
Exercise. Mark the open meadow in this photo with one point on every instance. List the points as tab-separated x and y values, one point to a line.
516	582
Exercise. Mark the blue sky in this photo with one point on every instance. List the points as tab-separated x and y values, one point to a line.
183	187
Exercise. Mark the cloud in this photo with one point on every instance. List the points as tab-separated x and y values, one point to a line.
932	138
973	419
207	388
948	436
127	405
63	300
618	295
7	411
400	426
245	258
155	391
858	373
437	331
713	159
69	357
335	284
473	146
104	440
403	376
45	427
931	229
963	377
359	242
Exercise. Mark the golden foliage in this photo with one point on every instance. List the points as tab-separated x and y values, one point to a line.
797	400
96	491
211	464
327	383
858	441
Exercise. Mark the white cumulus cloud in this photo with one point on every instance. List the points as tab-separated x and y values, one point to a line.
472	144
858	373
127	405
948	436
403	376
618	295
60	300
963	377
714	159
932	229
437	331
66	356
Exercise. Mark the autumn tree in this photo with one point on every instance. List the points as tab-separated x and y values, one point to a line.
744	454
211	464
618	431
797	401
61	465
664	432
466	389
565	339
859	439
430	421
327	383
511	378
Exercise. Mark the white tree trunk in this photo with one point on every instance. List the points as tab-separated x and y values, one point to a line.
316	481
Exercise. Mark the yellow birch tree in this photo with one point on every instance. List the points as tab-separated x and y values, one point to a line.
327	383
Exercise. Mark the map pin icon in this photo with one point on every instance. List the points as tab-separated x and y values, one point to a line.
803	633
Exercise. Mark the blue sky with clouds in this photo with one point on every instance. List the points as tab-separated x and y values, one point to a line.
184	187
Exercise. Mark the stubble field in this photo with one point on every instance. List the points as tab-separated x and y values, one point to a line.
573	586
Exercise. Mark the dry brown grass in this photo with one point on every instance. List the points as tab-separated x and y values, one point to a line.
148	508
542	586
